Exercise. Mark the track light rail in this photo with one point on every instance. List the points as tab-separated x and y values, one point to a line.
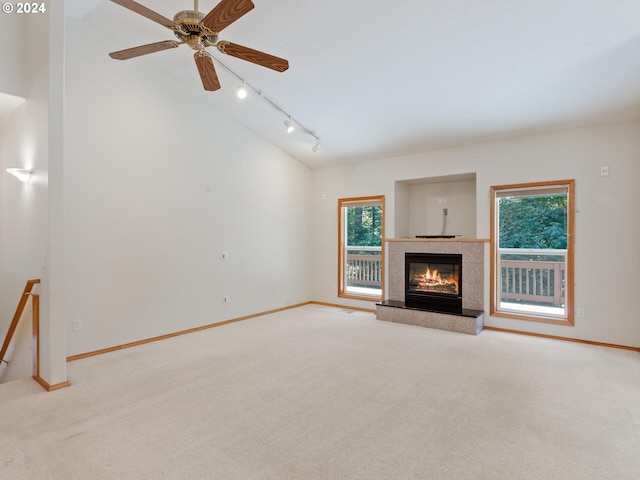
271	102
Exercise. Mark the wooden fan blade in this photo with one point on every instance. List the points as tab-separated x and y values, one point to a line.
146	12
253	56
143	50
225	13
207	71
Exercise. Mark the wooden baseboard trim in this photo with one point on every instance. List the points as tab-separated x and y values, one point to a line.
71	358
181	332
50	388
347	307
566	339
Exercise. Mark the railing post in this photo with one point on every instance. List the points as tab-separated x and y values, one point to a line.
557	285
35	334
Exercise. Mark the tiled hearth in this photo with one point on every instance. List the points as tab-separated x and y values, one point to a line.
470	320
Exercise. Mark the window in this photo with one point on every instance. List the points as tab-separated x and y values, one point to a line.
532	251
360	247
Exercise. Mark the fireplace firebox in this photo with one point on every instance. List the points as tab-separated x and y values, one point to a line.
433	281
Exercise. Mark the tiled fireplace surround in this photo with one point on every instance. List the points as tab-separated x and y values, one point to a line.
471	319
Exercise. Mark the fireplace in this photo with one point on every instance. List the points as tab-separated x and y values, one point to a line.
433	281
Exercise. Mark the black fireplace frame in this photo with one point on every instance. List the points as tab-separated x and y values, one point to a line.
434	301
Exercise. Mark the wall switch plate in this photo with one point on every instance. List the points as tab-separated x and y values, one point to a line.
77	325
224	256
226	299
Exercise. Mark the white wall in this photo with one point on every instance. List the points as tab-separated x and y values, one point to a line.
23	232
607	225
24	143
13	52
157	184
426	203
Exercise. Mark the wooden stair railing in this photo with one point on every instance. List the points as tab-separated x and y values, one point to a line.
16	319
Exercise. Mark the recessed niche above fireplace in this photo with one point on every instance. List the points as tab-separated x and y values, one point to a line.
433	281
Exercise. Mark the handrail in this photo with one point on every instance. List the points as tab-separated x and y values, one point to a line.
363	249
16	317
534	251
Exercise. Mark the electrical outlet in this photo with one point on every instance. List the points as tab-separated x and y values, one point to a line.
580	312
226	299
604	171
77	325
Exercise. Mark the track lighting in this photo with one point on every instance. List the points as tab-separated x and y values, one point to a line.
244	88
22	174
289	125
241	91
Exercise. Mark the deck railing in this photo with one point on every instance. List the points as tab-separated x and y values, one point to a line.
537	281
540	278
364	267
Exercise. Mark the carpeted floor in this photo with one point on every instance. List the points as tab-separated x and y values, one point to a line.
323	393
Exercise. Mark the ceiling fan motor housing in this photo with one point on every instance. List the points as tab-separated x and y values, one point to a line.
192	32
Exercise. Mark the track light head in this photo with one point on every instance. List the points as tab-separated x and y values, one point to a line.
316	147
241	91
288	125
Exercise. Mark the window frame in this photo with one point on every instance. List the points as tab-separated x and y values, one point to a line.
342	287
495	311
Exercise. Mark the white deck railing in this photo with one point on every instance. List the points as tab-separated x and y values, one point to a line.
538	281
364	269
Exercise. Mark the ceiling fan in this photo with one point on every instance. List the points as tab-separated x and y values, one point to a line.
200	31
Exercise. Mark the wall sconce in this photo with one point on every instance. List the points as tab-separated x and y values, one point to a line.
22	174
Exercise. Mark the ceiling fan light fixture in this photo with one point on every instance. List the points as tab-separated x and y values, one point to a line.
288	125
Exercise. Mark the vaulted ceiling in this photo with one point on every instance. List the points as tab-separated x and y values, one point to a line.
376	78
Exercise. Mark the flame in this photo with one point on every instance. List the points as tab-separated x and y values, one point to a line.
432	277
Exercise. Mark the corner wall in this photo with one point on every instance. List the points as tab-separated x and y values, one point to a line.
606	217
25	141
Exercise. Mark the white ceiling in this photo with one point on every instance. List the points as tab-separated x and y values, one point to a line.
376	78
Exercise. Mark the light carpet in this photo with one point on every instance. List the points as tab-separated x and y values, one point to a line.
323	393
